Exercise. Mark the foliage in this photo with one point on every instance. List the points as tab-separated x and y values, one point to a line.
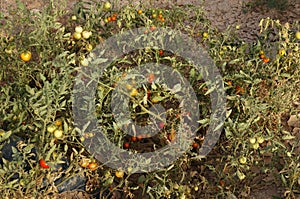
36	95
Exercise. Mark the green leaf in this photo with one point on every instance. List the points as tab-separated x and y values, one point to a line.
5	136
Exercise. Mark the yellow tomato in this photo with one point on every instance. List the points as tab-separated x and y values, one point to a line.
243	160
134	92
84	162
261	52
252	140
297	35
78	29
281	52
89	47
86	34
260	140
58	122
51	128
107	5
255	146
128	86
77	35
205	35
26	56
58	133
119	174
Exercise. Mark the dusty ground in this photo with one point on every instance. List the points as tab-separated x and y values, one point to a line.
222	13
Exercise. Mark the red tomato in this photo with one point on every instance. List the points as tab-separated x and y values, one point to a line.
126	145
161	52
43	164
195	145
148	94
133	138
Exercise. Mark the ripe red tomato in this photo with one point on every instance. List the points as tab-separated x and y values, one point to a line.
195	145
133	139
161	52
43	164
148	94
126	145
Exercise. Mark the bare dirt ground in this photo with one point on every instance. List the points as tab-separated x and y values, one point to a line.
222	14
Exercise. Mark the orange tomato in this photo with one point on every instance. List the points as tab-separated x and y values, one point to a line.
262	56
113	18
92	166
139	12
152	28
266	60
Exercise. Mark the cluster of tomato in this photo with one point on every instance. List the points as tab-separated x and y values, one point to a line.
155	15
264	58
111	18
